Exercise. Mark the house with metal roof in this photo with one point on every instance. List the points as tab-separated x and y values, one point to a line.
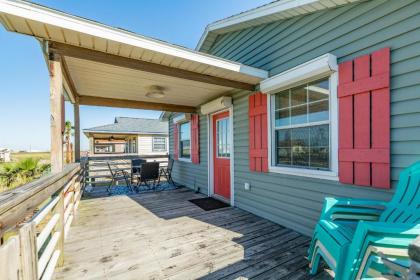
129	136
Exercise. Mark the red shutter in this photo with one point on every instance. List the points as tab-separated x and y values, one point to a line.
258	152
195	139
364	120
176	142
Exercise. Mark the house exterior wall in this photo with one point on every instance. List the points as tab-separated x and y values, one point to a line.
5	156
346	32
145	145
191	175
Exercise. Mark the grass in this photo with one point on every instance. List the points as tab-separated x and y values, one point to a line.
42	156
21	155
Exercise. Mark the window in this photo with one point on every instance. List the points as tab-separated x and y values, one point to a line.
223	138
104	148
301	126
185	140
159	144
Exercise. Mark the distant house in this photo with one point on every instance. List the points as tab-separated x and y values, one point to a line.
4	155
129	136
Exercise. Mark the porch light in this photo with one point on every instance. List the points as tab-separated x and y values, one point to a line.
155	92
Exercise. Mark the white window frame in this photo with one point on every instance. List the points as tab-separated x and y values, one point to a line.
179	142
322	67
165	143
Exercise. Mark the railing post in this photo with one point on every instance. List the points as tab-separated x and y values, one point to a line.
10	263
60	227
28	251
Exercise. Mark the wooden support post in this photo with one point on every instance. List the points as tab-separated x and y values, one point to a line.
28	251
10	263
76	132
60	227
56	107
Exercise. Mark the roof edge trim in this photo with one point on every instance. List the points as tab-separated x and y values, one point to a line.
46	15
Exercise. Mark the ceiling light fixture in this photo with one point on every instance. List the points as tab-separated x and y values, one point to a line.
155	92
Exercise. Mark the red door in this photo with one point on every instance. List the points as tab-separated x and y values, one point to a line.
221	154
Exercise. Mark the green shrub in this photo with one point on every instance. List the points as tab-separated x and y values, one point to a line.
24	171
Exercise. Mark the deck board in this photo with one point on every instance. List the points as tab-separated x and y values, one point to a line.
164	236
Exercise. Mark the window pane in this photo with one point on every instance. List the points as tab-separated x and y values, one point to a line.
319	90
300	146
222	134
159	144
320	136
282	100
284	156
299	114
185	148
303	144
185	137
282	118
320	157
185	131
318	111
283	138
298	96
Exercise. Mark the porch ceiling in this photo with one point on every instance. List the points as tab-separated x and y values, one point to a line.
108	66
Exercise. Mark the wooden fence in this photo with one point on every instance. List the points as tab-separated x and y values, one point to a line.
35	220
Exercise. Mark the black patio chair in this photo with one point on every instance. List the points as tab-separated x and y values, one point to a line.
149	172
118	174
167	172
135	167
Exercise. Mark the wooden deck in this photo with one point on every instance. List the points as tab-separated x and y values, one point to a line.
164	236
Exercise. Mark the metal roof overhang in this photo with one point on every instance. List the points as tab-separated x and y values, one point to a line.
106	66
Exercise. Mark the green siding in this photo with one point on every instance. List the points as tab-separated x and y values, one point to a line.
347	32
292	201
193	176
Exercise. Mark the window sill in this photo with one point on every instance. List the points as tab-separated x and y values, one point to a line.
184	159
319	174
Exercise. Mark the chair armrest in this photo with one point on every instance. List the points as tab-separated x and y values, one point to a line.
389	228
349	209
374	238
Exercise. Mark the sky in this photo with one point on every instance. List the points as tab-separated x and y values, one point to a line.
24	80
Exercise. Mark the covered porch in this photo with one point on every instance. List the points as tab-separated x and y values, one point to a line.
93	64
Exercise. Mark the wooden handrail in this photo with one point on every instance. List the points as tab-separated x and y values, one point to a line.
17	204
35	246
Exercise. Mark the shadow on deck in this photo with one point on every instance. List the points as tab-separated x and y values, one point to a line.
164	236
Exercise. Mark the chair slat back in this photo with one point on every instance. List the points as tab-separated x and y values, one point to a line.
136	162
149	171
170	164
405	205
110	169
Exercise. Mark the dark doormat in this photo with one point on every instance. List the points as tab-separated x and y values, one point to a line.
209	203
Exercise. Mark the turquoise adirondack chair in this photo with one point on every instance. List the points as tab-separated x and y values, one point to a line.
353	236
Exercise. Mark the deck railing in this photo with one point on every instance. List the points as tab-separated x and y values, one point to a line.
97	171
34	222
